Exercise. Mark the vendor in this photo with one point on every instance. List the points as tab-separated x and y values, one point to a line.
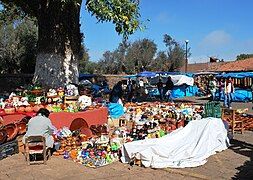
168	88
160	88
116	93
41	125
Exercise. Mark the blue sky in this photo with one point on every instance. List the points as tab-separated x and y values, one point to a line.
221	28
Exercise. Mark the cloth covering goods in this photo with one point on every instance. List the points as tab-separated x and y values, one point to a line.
185	147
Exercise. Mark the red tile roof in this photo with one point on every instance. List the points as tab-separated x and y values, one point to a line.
239	65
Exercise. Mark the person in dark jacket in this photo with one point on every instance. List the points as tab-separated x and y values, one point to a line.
168	88
160	88
116	93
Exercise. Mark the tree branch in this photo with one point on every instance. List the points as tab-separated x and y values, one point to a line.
30	7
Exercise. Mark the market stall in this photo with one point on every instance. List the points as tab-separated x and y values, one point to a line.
242	83
183	85
61	119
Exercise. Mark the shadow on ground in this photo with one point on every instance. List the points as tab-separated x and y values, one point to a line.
246	170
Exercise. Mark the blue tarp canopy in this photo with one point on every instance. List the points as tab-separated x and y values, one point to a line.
174	73
146	74
236	75
178	91
241	95
132	76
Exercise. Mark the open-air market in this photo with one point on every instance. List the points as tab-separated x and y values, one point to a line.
136	112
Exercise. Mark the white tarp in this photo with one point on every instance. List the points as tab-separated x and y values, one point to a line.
186	147
182	79
177	80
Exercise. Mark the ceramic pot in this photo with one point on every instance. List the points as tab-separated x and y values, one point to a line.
28	109
26	119
86	131
36	108
3	136
20	109
21	126
2	112
83	137
77	124
11	130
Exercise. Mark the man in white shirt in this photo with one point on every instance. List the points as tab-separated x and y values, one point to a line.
41	125
229	89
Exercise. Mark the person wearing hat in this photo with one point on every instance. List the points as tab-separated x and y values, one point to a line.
41	125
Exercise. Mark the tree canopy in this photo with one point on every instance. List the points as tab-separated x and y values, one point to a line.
124	14
18	42
244	56
132	57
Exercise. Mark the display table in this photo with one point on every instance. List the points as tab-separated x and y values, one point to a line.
61	119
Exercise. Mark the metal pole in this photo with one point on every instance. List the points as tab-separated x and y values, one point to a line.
186	58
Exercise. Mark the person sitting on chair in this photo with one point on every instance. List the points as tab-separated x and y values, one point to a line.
41	125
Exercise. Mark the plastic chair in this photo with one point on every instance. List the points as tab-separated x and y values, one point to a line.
36	145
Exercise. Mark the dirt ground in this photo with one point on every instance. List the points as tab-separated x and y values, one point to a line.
233	163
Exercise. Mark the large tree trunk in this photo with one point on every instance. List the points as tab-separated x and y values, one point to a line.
58	44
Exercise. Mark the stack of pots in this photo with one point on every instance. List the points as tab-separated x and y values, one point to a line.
12	130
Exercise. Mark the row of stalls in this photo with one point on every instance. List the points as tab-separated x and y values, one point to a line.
242	84
186	84
183	83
